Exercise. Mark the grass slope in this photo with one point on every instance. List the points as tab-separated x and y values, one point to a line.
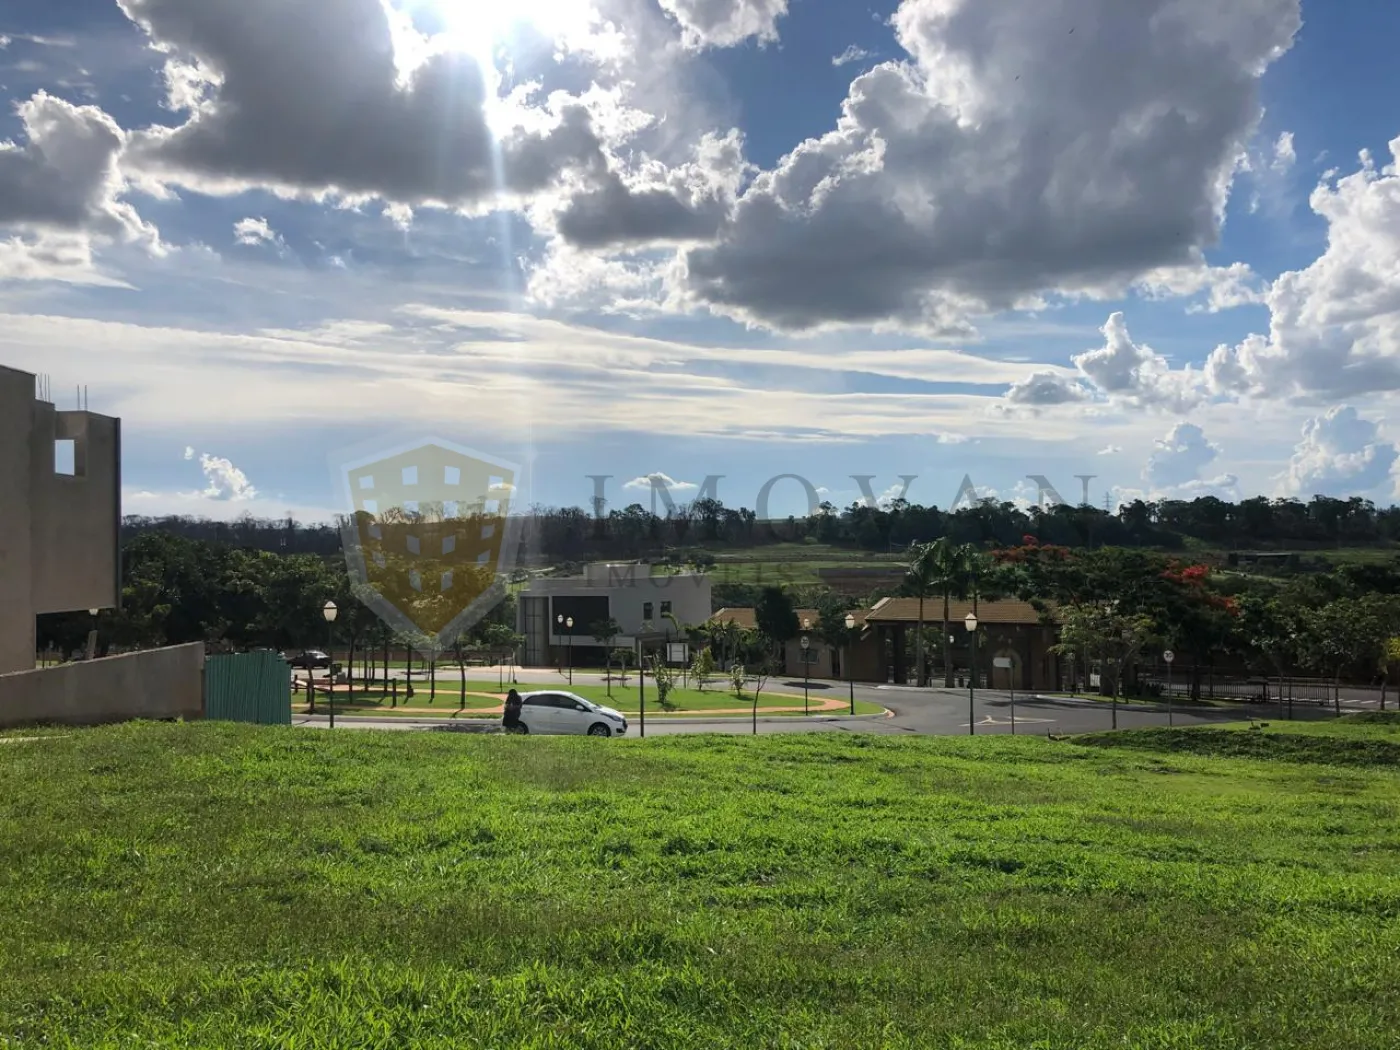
217	885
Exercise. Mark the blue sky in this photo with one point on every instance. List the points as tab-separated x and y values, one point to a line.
718	237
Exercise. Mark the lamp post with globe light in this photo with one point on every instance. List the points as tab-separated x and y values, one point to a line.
850	672
806	670
970	622
330	612
1169	657
568	623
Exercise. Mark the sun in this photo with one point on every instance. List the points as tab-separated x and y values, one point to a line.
481	27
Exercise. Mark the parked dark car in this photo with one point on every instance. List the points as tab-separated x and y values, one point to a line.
309	659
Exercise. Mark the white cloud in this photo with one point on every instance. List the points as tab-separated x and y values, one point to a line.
853	53
60	188
1120	371
189	452
1335	326
660	480
1180	457
1341	454
724	23
254	232
224	480
1024	148
1110	450
1285	156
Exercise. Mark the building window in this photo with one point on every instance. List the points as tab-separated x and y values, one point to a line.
665	608
65	457
646	610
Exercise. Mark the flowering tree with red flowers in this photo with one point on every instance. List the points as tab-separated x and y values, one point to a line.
1193	616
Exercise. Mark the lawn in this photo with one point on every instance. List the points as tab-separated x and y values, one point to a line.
218	885
624	699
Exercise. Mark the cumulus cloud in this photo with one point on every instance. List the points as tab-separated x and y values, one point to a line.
1335	326
1122	371
1285	156
1180	456
189	452
343	97
656	204
224	481
1341	454
1046	388
1174	469
1110	450
64	175
1073	145
724	23
254	232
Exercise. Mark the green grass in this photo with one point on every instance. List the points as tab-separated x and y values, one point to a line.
219	885
624	699
1370	740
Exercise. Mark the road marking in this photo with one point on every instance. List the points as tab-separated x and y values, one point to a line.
990	721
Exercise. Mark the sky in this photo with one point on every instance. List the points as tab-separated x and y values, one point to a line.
713	243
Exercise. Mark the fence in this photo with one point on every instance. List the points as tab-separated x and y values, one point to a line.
1268	690
156	684
248	687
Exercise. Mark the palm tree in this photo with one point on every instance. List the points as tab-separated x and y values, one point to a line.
977	569
918	583
938	568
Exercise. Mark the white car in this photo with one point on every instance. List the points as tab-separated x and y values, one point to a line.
558	713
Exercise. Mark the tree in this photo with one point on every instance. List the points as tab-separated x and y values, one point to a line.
605	632
1099	634
664	675
776	619
935	568
737	675
702	668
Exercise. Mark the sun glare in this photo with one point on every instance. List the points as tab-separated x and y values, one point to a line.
481	27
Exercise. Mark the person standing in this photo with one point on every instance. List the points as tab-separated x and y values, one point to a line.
512	714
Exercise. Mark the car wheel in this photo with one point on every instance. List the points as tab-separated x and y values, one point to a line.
598	729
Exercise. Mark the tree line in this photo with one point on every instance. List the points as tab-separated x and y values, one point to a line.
554	535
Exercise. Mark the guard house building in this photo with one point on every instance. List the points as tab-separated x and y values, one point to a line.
60	514
627	593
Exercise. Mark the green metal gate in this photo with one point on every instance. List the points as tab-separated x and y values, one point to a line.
249	687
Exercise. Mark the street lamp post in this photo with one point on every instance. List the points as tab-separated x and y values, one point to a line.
330	612
970	622
568	622
1169	656
850	672
806	671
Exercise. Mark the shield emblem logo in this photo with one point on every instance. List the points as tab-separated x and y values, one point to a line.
429	538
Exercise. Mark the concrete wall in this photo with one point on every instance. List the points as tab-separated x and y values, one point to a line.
76	519
16	557
59	533
157	683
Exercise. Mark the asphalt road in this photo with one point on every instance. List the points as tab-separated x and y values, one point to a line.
936	712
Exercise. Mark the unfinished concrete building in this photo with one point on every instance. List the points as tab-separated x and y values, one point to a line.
60	513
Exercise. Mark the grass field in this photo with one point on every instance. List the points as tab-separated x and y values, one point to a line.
217	885
624	699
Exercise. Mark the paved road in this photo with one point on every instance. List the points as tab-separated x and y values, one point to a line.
939	712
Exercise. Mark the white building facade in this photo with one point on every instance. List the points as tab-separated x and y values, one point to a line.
627	593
